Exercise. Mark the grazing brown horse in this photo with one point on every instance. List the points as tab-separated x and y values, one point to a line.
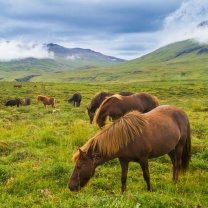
98	99
47	101
26	101
136	137
117	105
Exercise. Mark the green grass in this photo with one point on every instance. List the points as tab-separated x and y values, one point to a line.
37	144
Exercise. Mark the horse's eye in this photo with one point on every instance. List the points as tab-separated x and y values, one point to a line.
78	167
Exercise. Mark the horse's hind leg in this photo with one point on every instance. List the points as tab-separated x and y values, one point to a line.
178	158
144	165
173	160
124	167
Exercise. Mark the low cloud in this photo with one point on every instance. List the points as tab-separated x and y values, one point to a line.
17	50
72	58
182	24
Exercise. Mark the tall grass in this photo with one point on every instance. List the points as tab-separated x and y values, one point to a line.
37	144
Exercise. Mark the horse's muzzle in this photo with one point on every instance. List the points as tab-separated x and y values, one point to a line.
74	188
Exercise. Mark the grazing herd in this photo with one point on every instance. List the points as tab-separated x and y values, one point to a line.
141	129
76	99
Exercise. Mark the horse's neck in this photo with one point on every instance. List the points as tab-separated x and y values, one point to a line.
94	106
101	160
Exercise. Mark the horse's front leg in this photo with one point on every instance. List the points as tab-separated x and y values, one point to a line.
144	165
124	167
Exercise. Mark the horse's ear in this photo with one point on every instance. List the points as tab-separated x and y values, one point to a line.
82	154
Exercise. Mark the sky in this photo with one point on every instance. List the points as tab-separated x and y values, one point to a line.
124	29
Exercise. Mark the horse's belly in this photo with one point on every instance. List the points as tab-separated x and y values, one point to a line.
163	148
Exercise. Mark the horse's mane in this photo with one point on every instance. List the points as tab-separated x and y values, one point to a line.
118	135
156	100
41	96
97	114
97	98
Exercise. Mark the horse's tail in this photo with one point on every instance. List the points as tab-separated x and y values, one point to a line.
186	156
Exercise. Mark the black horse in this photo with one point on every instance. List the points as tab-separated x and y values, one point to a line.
76	99
16	102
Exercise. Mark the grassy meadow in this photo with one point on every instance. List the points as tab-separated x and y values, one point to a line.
37	144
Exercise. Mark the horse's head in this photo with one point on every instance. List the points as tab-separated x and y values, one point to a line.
101	122
90	114
83	171
38	98
18	101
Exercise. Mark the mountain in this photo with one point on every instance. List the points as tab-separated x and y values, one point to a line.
78	57
184	60
65	59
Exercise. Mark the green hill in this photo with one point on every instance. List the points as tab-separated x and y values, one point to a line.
178	61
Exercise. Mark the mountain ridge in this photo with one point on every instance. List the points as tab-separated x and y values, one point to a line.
177	61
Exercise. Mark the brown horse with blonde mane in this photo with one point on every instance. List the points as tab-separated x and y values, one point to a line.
98	99
47	100
136	137
117	105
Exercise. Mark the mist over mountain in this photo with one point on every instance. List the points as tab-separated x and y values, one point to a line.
203	24
14	51
179	60
81	54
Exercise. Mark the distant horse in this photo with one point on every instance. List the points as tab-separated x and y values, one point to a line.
136	137
98	99
26	101
76	99
47	100
18	85
117	105
16	102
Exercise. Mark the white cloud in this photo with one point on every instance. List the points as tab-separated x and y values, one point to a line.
182	24
16	50
72	58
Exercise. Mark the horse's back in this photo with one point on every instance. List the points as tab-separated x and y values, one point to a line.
147	100
167	125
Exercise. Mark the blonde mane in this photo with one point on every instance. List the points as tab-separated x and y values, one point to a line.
97	114
116	136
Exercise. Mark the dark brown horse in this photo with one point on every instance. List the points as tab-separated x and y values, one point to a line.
47	100
117	105
16	102
18	85
98	99
136	137
76	99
